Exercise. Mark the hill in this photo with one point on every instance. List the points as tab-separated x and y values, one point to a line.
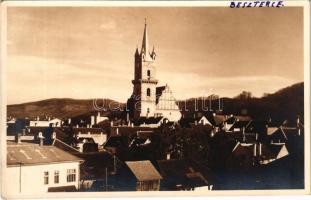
60	108
286	103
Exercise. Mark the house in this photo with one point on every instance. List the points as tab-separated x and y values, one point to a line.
245	155
271	152
181	174
188	122
88	120
239	126
15	126
117	145
99	135
86	144
242	156
152	122
130	131
217	120
47	122
146	175
36	169
229	123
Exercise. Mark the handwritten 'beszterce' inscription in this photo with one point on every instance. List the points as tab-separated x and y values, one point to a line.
253	4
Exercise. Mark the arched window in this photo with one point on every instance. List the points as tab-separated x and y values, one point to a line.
148	73
148	92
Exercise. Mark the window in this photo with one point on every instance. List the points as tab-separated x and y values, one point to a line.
56	176
46	178
148	73
148	92
71	175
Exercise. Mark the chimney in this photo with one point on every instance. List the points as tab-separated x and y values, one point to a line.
54	135
168	156
299	131
255	150
18	138
41	142
92	121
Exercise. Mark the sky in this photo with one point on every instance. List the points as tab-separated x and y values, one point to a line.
88	52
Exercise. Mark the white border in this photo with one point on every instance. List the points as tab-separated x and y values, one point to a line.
305	4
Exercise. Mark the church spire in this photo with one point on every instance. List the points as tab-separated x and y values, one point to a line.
145	44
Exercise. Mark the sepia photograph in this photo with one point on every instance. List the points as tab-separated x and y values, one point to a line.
122	98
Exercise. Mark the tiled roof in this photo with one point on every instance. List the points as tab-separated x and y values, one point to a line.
88	130
69	188
148	120
159	91
242	117
183	172
143	170
257	126
33	154
239	124
117	141
271	151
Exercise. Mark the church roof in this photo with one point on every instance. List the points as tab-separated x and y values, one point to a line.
159	91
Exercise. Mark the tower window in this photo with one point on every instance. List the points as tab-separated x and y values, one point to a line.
148	92
148	73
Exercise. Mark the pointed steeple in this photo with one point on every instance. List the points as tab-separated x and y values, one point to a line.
145	44
153	54
136	52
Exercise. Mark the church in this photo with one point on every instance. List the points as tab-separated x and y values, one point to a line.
149	100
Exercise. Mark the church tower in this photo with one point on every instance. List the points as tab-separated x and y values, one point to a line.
145	82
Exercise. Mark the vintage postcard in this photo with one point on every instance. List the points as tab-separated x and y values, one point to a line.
167	98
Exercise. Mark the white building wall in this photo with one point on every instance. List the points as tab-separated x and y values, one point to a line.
167	106
29	180
54	122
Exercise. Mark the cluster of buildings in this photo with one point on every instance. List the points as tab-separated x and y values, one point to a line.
92	152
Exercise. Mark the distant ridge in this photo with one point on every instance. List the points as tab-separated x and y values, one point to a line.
55	107
286	103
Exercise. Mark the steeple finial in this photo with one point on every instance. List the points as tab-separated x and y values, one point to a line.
136	52
145	45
